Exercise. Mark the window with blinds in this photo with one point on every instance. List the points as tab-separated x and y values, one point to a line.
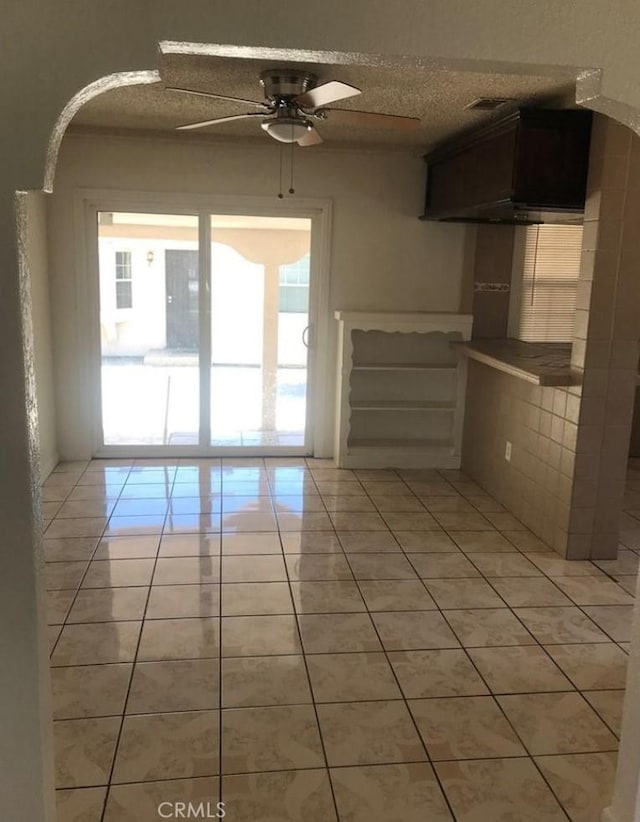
124	280
545	282
294	286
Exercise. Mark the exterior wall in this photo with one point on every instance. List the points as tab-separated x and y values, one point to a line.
133	331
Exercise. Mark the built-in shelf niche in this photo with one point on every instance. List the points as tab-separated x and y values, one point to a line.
400	389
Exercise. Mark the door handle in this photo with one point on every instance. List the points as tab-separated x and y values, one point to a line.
305	336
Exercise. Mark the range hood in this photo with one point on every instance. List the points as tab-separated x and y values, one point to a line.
527	168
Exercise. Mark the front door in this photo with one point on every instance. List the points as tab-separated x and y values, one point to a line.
181	273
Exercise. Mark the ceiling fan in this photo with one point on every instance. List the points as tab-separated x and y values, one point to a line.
293	102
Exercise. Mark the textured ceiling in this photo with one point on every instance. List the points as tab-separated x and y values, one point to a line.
436	97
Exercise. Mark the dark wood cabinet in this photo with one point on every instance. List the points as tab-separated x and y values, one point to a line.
529	167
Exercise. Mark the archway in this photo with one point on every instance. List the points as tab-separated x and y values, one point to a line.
20	581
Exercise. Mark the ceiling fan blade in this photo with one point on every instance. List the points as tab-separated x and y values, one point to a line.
218	96
214	122
370	118
311	138
327	93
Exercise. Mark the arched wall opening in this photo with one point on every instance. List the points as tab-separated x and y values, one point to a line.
27	578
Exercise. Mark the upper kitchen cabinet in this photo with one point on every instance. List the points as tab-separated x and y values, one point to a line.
529	167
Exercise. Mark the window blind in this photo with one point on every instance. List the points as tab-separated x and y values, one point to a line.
550	269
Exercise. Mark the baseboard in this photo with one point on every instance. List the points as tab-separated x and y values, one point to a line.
47	465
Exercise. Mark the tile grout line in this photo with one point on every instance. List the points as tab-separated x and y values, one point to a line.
309	683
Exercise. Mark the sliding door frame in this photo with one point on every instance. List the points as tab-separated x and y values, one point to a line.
321	352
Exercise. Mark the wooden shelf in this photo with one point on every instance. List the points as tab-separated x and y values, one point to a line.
400	405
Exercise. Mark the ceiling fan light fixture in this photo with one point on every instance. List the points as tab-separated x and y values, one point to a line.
287	129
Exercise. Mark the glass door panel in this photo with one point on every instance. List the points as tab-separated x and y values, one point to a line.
293	339
149	328
259	316
236	344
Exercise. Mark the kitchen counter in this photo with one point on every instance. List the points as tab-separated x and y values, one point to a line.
539	363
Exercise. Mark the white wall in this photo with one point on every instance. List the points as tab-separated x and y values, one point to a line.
38	264
382	258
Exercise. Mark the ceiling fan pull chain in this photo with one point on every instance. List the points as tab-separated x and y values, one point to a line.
280	194
291	188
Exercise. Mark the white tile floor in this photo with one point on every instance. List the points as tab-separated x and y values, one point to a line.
305	644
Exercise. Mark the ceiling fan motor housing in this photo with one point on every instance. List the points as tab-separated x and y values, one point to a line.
287	83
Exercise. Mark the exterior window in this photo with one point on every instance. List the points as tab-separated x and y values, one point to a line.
546	266
124	285
294	287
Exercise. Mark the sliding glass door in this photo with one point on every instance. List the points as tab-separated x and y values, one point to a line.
259	328
204	331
